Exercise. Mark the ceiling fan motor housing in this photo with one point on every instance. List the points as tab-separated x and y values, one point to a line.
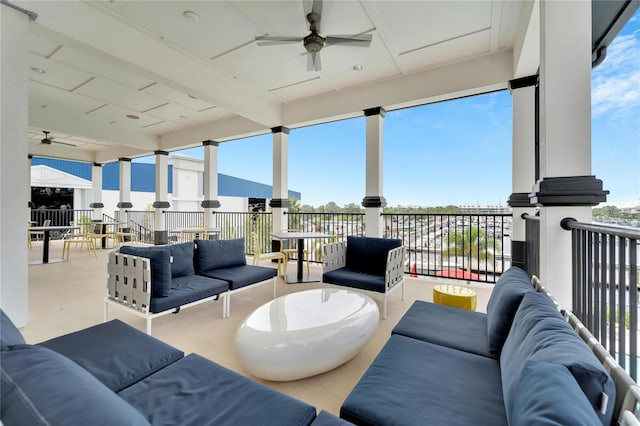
313	42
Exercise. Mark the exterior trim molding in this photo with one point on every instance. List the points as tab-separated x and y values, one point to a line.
375	111
280	202
374	201
97	165
210	142
520	199
96	205
161	204
519	83
124	205
160	237
280	129
126	160
210	204
160	152
568	191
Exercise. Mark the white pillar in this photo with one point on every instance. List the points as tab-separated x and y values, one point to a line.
373	200
280	199
160	234
523	171
96	191
14	171
125	188
210	201
566	187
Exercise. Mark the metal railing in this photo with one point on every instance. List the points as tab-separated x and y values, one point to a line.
532	248
142	223
605	286
59	217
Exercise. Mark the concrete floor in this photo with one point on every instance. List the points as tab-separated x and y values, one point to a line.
68	296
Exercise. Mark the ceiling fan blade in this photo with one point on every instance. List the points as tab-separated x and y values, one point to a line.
273	40
363	40
313	62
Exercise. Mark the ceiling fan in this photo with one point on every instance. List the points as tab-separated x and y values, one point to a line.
47	140
314	41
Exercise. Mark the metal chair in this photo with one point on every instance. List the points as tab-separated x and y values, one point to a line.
258	255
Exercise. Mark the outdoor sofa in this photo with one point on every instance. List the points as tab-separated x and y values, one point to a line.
114	374
521	363
159	280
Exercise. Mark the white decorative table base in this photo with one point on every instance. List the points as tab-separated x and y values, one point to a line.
306	333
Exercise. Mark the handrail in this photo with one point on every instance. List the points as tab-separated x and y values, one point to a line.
527	216
569	223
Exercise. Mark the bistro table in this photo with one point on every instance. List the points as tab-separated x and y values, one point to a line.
45	244
104	227
300	277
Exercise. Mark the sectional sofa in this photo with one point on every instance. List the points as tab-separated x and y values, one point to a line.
159	280
114	374
520	363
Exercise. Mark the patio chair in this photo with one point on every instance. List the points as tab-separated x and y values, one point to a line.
38	234
85	236
259	255
125	235
291	248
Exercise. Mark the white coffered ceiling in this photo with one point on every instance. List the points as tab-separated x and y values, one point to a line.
92	64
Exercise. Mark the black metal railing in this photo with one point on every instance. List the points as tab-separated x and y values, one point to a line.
59	217
532	248
142	223
174	221
605	286
471	247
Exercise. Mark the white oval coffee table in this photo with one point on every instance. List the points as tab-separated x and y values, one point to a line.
306	333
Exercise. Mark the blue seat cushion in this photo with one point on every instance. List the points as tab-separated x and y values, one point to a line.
447	326
548	395
540	333
9	333
41	387
353	278
241	276
327	419
369	254
412	382
160	258
115	353
196	391
505	299
216	254
186	290
182	256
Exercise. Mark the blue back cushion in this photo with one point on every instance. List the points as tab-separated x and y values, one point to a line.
9	333
503	304
41	387
182	265
548	395
160	258
216	254
369	254
540	333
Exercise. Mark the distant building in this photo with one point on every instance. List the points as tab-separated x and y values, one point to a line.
497	209
57	183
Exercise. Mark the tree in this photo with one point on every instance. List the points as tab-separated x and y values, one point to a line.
471	243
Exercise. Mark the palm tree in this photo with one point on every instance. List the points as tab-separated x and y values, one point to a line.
471	243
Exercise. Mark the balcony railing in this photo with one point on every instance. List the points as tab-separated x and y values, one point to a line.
605	287
59	217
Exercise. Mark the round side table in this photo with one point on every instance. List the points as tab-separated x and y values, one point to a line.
456	296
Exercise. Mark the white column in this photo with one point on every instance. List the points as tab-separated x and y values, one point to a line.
14	171
160	234
523	174
96	191
566	187
210	201
373	200
125	187
280	200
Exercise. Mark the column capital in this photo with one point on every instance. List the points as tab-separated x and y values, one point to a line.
160	152
280	202
29	156
124	205
97	164
210	204
519	83
568	191
124	159
375	111
280	129
210	143
374	201
96	205
161	205
520	199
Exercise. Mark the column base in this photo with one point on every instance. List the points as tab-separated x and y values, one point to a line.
160	237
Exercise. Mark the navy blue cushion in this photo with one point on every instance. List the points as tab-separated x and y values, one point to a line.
241	276
369	254
160	258
9	333
186	290
115	353
216	254
196	391
41	387
350	277
548	395
412	382
182	264
505	299
540	333
447	326
327	419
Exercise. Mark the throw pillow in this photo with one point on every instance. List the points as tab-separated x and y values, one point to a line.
182	265
216	254
160	258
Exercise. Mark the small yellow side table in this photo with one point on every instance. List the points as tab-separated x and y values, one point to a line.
456	296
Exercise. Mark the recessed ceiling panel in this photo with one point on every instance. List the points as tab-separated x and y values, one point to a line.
55	74
45	96
171	95
41	46
117	94
117	116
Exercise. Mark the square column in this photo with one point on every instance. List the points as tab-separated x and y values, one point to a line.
14	171
125	188
566	187
280	200
210	201
373	201
160	234
96	191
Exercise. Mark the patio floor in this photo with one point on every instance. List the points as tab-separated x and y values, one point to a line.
68	296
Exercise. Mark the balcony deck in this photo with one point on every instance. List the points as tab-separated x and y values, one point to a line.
68	296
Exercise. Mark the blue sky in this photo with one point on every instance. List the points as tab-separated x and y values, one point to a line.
456	152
